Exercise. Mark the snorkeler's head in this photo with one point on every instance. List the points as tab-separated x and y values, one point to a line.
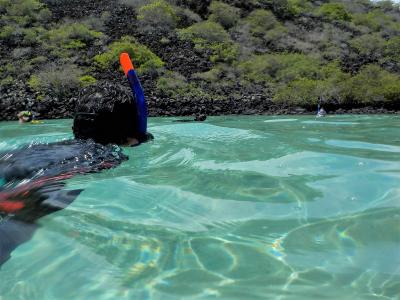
200	118
25	116
106	113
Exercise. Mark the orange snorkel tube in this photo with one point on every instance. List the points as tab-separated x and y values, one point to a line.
137	91
126	63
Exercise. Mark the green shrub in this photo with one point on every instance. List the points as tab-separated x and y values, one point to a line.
172	84
205	32
295	66
22	7
87	80
43	15
333	83
374	86
158	14
24	12
224	52
304	92
38	60
13	34
21	52
297	79
334	12
60	80
392	50
281	68
332	71
284	9
297	7
75	44
259	69
17	21
263	28
32	36
375	20
64	40
7	81
35	83
7	32
3	5
8	69
369	45
210	76
21	66
219	80
331	52
66	34
275	35
212	36
309	92
188	17
144	60
224	14
260	21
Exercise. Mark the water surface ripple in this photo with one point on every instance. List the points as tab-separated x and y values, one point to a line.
234	208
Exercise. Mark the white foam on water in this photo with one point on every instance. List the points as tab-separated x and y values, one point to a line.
280	120
331	122
363	145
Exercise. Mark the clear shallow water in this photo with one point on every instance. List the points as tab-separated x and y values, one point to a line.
234	208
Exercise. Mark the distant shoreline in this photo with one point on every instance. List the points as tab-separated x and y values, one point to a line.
185	107
12	102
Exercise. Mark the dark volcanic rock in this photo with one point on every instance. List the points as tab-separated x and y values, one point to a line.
19	98
77	9
122	22
198	6
179	55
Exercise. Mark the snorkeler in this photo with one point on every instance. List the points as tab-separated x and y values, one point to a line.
321	112
25	116
32	178
28	117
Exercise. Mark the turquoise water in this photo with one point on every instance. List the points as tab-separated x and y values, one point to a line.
234	208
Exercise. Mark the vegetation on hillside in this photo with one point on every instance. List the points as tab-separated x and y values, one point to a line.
298	52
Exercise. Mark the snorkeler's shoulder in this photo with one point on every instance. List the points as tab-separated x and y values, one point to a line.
60	157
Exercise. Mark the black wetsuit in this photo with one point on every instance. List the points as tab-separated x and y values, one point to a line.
32	180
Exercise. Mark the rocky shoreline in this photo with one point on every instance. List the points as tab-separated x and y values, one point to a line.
16	100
